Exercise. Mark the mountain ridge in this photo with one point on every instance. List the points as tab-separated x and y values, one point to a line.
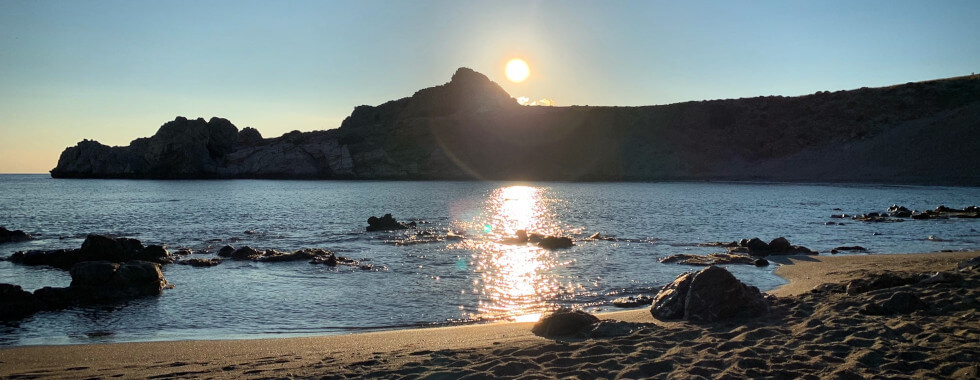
471	129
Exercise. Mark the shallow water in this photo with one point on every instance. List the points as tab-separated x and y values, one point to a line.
449	281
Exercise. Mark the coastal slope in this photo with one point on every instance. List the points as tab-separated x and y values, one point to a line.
470	128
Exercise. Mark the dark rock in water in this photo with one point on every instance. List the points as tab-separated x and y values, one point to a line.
565	323
50	298
632	301
16	303
555	242
715	294
778	246
670	300
384	223
245	253
303	254
226	251
58	258
195	262
95	248
761	263
104	281
899	211
851	248
8	236
711	259
709	295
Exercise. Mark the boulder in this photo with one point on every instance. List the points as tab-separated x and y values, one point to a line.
104	281
555	242
54	298
8	236
710	295
16	303
384	223
565	323
670	300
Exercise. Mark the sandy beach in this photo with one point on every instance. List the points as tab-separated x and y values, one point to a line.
805	335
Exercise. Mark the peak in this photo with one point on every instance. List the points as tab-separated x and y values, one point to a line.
465	74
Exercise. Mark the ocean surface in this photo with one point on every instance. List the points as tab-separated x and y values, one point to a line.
424	280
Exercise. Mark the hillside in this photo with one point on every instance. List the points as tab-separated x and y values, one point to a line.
470	128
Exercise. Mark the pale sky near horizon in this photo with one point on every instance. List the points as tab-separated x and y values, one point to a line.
114	71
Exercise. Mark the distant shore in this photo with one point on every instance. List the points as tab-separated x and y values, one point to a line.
805	334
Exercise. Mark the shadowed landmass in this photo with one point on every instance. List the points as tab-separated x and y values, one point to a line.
470	128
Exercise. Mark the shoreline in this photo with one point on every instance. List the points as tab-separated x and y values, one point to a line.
395	351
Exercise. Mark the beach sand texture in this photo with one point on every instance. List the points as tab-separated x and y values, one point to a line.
805	335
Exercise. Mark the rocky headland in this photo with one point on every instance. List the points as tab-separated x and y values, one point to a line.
470	128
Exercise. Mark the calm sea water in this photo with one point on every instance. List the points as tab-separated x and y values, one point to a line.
434	283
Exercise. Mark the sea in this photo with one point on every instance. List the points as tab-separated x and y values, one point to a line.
456	267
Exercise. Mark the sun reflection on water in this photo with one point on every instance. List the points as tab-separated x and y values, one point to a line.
513	283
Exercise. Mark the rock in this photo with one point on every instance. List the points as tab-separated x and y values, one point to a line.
711	259
104	281
384	223
942	278
632	301
16	303
778	246
761	263
709	295
226	251
851	248
303	254
195	262
555	242
245	253
969	265
95	248
8	236
880	281
715	294
899	211
669	302
50	298
565	323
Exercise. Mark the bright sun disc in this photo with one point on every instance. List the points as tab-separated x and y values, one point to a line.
517	70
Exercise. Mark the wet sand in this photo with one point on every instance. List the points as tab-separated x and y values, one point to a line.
806	335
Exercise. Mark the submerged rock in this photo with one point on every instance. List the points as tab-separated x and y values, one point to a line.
632	301
103	281
199	263
555	242
711	259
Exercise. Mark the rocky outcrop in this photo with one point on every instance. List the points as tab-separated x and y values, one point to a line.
92	282
713	259
713	294
384	223
777	246
470	128
95	248
8	236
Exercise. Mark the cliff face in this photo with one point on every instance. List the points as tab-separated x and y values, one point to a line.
470	128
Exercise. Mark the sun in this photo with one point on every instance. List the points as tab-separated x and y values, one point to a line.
517	70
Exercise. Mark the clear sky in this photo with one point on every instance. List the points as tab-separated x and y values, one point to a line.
113	71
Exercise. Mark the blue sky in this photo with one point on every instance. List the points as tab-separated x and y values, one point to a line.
116	70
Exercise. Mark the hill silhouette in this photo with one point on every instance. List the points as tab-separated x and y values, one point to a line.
470	128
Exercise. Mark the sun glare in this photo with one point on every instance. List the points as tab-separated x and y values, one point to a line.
517	70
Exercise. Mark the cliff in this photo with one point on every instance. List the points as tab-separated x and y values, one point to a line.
470	128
